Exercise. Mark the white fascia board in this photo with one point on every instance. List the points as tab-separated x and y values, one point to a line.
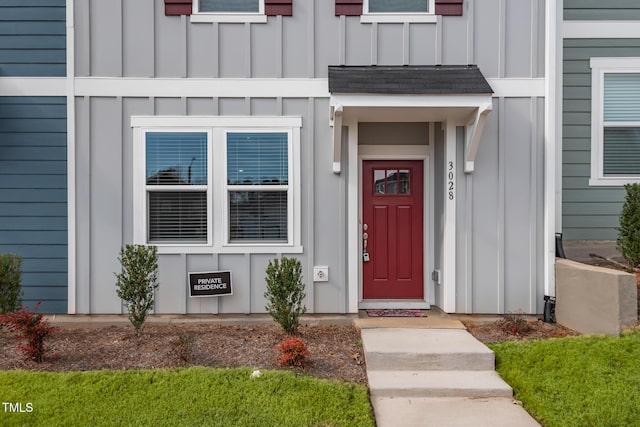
33	86
217	121
437	101
601	29
517	88
617	64
259	87
202	88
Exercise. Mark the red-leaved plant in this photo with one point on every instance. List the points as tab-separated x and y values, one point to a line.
31	328
293	352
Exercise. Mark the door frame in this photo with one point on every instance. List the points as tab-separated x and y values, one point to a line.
402	152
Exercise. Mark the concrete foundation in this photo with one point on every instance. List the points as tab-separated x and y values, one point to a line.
595	300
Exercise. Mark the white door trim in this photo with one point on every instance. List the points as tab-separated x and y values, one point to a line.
398	152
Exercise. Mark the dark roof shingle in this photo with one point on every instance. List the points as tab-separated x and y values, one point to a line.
408	79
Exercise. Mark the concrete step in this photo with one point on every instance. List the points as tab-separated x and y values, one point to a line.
425	349
437	384
450	411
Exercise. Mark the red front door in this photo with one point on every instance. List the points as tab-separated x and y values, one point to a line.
392	222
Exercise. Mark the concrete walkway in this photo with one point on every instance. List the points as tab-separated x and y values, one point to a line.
432	372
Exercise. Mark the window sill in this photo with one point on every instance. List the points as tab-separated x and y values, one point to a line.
266	249
370	18
257	18
613	182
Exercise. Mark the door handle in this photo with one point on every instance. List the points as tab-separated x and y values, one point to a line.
365	237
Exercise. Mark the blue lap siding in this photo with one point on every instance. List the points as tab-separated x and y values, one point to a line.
33	195
32	38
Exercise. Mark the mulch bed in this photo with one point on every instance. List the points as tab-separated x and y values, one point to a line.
336	352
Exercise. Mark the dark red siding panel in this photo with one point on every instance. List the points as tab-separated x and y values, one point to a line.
449	7
349	7
278	7
177	7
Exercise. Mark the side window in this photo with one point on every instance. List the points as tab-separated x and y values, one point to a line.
229	11
615	141
176	187
258	186
399	6
229	6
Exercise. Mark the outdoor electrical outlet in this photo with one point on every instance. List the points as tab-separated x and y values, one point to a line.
321	274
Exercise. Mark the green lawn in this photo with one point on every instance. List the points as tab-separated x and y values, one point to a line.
183	397
579	381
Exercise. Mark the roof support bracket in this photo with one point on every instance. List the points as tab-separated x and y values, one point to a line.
336	122
473	133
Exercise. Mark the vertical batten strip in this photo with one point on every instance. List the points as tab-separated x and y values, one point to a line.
311	40
247	50
215	49
185	38
501	206
342	41
502	47
438	41
71	162
471	19
374	43
279	57
311	222
405	44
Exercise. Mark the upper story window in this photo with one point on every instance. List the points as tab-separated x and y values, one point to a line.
398	11
615	121
217	184
230	6
229	11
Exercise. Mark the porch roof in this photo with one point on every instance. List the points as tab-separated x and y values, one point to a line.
422	93
408	80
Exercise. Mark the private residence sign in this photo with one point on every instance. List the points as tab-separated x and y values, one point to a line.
210	284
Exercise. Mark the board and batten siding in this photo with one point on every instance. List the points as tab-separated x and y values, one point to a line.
599	10
104	149
134	38
588	213
32	38
33	195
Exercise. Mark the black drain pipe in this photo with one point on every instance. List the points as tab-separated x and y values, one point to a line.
549	301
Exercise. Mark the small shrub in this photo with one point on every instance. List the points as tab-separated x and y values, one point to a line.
137	281
629	231
10	266
514	323
31	328
183	348
293	352
285	293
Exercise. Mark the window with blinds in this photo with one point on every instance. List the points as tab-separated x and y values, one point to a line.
177	186
398	6
621	122
258	186
229	6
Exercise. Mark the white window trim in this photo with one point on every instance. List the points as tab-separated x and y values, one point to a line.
426	17
253	17
217	127
224	232
141	187
600	67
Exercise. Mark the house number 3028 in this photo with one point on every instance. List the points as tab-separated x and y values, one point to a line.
450	185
